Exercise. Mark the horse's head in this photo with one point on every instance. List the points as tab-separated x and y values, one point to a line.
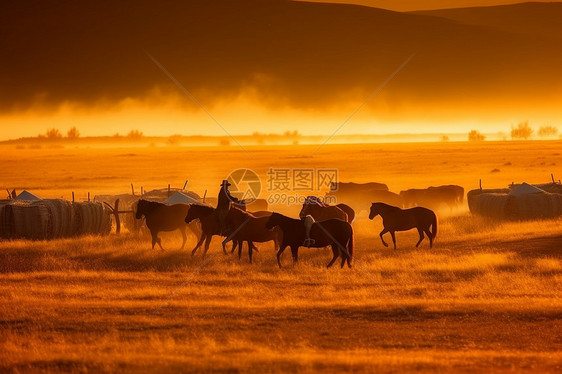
375	210
272	221
191	213
309	203
141	209
305	211
197	211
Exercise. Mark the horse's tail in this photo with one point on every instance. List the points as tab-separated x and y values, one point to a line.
350	247
434	226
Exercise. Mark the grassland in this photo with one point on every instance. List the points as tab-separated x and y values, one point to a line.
486	298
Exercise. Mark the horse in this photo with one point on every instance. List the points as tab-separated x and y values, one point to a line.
397	219
162	217
321	211
210	226
259	213
250	227
333	232
434	197
357	199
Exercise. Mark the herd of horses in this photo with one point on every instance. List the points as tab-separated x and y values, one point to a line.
332	227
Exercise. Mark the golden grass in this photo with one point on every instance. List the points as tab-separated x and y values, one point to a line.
486	298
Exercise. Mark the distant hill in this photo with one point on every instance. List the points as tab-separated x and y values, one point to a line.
291	53
543	19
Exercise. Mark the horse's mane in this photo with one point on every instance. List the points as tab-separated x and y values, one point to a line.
151	204
244	212
202	207
387	206
285	218
315	200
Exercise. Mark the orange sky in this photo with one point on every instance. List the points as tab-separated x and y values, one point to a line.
275	66
411	5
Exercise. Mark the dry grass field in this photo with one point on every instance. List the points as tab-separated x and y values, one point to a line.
486	298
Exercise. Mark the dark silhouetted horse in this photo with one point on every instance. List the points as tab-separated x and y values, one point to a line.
333	232
210	226
250	227
161	217
397	219
321	211
434	197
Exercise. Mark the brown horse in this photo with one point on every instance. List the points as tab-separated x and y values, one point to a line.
210	226
162	217
397	219
250	227
434	197
333	232
321	211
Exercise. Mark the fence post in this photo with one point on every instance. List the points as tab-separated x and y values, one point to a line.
115	212
133	189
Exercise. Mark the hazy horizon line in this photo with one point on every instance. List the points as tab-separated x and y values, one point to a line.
174	139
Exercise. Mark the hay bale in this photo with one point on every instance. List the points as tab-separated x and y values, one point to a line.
91	218
534	206
62	218
551	187
3	222
25	220
472	197
517	207
489	205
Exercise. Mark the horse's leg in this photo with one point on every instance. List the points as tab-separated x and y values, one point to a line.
240	244
207	243
250	250
336	253
203	236
281	249
184	236
420	231
430	237
295	253
254	248
384	231
156	239
224	246
392	233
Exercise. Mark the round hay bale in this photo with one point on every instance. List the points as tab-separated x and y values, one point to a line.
62	218
472	197
534	206
4	232
91	218
517	207
551	187
26	220
490	205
